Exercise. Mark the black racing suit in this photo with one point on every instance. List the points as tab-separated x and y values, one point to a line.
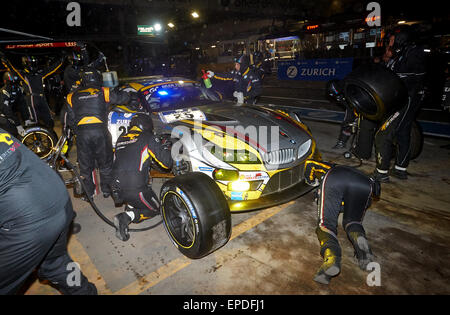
409	65
247	82
39	110
342	189
132	157
35	215
88	109
8	118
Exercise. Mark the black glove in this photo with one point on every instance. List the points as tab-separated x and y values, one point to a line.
166	141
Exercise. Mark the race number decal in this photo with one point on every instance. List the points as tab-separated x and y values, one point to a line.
117	124
168	117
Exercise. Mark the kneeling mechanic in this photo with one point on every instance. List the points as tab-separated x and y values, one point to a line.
342	189
132	157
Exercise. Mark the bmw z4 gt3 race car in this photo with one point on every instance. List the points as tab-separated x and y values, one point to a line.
255	154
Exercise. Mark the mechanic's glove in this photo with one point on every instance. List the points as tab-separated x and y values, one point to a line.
239	96
314	182
209	74
20	130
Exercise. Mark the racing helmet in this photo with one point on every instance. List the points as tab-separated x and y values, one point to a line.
403	37
142	121
30	62
91	76
244	61
257	57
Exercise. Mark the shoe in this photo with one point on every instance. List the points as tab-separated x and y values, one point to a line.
381	177
340	145
331	267
400	174
106	195
363	253
121	222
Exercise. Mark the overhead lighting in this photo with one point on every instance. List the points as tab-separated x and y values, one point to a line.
157	27
195	15
197	48
213	46
401	22
171	25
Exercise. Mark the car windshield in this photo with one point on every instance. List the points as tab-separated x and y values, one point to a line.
179	94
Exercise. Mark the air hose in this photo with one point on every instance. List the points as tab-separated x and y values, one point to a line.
94	206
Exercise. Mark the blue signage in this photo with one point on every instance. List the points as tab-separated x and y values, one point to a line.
315	69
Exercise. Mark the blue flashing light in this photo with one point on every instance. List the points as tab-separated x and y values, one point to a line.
163	93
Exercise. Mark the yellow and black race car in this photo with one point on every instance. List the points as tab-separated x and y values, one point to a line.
227	158
255	154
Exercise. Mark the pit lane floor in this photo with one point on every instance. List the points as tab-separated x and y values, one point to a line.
275	251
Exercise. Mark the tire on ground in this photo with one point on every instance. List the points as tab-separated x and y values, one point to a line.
40	140
195	213
374	91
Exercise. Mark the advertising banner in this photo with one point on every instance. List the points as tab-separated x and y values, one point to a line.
315	69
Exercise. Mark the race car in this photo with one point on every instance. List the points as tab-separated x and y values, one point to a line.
255	154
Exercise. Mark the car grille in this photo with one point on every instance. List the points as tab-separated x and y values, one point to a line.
278	157
283	180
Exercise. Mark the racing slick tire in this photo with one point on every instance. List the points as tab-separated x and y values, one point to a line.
374	91
40	140
195	214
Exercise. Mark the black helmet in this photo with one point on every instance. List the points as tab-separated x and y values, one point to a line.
403	36
30	62
142	121
91	76
244	61
257	57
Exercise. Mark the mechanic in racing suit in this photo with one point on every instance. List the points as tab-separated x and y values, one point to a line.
88	108
408	62
9	97
133	154
246	83
258	65
77	61
342	189
35	216
33	78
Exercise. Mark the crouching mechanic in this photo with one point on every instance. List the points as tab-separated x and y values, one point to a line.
346	189
134	151
35	215
88	108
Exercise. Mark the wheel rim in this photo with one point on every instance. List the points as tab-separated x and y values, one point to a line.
178	220
39	142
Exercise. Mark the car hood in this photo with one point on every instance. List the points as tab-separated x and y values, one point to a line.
263	128
273	131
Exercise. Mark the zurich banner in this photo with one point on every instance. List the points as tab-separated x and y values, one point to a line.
315	69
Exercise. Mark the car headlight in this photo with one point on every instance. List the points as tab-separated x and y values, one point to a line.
234	156
304	149
227	175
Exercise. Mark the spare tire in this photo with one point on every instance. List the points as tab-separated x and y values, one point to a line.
195	214
374	91
40	140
